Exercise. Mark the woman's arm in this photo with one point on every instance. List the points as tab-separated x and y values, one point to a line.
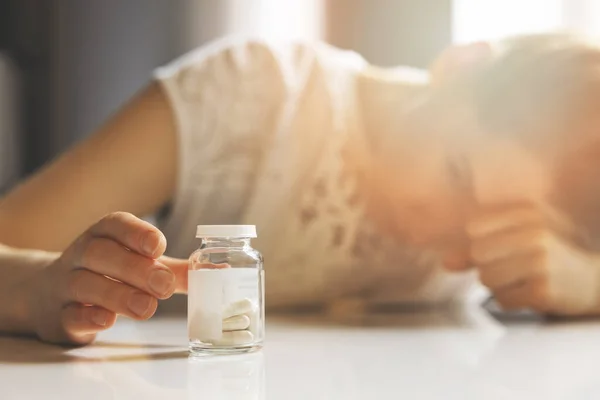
129	164
16	268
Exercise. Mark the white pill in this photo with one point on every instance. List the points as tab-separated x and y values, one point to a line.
236	323
237	308
234	338
253	317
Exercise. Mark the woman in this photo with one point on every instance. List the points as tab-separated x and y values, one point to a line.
365	183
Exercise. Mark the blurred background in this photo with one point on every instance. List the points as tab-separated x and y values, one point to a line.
67	65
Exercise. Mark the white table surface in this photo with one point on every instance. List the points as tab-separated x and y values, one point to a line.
450	354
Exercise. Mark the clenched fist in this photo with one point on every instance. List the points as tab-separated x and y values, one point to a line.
522	259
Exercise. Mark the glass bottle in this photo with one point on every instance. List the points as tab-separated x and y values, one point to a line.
225	292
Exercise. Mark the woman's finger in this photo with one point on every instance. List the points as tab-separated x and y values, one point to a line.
107	257
487	220
504	244
83	322
512	271
179	268
132	232
532	293
87	287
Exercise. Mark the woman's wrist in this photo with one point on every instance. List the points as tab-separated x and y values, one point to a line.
18	272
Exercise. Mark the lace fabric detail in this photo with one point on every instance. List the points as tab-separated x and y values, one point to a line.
228	102
262	136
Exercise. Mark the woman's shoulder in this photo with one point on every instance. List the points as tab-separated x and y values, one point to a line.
234	58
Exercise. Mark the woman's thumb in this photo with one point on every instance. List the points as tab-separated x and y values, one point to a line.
180	269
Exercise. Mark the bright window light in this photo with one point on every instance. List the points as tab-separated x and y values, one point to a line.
474	20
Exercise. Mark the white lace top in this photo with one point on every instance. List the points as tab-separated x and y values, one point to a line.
261	129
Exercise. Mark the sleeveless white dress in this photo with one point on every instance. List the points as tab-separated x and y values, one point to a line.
261	128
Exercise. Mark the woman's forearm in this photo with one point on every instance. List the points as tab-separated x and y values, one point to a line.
16	268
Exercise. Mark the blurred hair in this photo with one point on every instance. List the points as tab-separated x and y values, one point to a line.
544	92
537	85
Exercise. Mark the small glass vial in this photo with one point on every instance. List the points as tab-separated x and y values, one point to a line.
226	313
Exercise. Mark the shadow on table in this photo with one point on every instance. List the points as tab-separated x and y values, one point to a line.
420	317
523	317
20	350
396	316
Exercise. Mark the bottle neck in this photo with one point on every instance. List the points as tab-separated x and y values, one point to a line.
225	242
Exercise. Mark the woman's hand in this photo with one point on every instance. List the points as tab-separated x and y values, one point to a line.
526	264
115	267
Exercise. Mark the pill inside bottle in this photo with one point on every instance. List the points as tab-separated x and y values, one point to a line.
236	323
234	338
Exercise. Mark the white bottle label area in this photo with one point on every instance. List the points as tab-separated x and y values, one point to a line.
223	305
